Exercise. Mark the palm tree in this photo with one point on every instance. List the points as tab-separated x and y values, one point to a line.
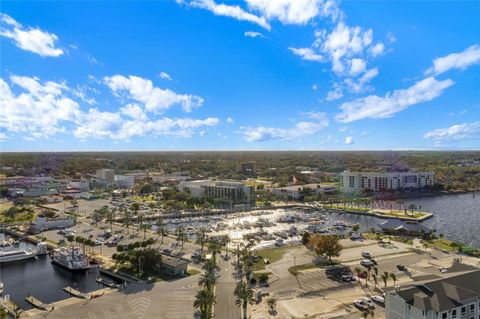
374	277
181	235
394	278
204	301
295	273
385	278
207	280
245	296
161	228
201	237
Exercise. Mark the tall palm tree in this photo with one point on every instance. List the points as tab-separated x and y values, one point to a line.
394	278
161	228
204	301
207	280
181	235
245	296
385	278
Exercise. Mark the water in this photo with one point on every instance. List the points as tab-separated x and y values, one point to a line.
43	280
457	217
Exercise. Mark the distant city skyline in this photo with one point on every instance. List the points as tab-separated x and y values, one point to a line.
252	75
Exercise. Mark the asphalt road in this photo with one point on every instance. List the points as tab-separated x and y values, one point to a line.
226	308
166	300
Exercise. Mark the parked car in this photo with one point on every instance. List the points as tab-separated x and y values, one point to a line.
401	268
367	263
362	275
360	305
378	299
167	250
366	254
348	278
366	301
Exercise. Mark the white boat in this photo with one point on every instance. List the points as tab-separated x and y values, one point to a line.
16	255
71	258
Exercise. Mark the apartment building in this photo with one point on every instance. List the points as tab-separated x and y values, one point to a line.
234	191
105	174
454	297
384	181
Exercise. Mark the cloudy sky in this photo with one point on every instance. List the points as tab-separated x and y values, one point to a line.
252	75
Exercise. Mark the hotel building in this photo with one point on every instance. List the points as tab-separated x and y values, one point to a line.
377	181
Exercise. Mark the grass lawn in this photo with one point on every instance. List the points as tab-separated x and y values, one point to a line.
349	208
272	254
443	244
401	213
5	205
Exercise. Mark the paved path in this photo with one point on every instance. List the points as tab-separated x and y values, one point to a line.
226	308
166	300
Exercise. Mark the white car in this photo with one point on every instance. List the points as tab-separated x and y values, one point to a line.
366	254
366	263
367	302
378	299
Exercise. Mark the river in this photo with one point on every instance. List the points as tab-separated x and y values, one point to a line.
39	278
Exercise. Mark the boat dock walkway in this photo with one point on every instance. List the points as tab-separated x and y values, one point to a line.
76	293
108	284
117	275
39	304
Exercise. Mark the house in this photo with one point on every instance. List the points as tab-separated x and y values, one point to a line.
456	296
406	228
174	266
43	223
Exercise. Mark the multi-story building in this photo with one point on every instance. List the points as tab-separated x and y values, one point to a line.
105	174
384	181
456	296
234	191
298	191
124	181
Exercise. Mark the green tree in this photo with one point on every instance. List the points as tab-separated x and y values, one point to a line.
244	296
204	301
328	245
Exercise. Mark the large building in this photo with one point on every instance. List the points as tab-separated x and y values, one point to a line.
384	181
105	174
236	192
453	297
300	191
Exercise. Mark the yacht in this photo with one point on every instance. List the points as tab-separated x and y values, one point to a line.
16	254
71	258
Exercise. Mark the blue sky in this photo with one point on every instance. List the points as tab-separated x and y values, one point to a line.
253	75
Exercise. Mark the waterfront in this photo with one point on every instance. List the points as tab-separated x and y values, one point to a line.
39	278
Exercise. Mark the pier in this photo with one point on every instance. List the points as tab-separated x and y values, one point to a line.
39	304
77	293
108	284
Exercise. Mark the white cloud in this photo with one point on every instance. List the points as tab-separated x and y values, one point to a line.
29	39
43	109
377	49
343	44
335	94
253	34
342	129
456	132
295	11
306	54
235	12
377	107
302	128
134	111
357	66
3	136
461	60
348	140
391	37
358	85
314	87
39	110
229	120
165	76
155	99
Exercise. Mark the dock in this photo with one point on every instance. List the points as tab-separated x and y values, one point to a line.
76	293
39	304
108	284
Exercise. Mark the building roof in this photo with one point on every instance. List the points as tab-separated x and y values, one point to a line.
444	293
396	224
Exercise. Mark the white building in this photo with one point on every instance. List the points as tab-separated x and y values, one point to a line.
105	174
124	181
235	191
42	223
378	181
298	191
455	297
